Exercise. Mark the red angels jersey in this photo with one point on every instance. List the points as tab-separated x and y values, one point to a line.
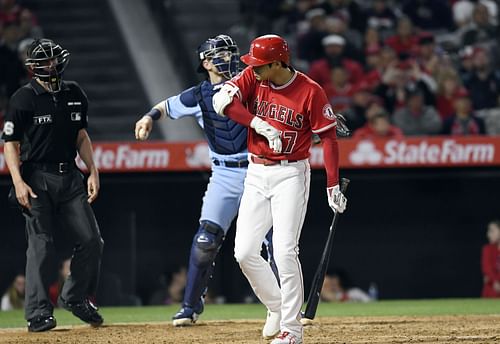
298	109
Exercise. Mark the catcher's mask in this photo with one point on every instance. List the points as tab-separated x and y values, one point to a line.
224	54
48	61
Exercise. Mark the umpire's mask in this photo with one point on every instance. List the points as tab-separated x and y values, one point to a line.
48	61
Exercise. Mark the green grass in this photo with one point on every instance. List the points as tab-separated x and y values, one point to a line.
257	311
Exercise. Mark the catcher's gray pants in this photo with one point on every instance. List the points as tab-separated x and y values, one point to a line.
61	197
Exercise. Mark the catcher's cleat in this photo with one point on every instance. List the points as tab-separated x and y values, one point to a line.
272	325
187	316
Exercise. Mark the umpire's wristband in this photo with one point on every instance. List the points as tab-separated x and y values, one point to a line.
155	114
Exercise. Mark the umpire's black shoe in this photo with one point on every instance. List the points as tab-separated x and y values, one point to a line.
84	310
41	323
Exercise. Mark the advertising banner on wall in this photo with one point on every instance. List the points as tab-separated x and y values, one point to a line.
421	152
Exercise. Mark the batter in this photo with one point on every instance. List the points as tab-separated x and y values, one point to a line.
276	192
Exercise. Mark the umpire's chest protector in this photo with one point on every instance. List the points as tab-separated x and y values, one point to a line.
224	135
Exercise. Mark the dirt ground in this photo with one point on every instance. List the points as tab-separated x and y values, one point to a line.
435	329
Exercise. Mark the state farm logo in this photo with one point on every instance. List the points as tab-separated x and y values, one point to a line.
365	153
446	152
198	156
126	157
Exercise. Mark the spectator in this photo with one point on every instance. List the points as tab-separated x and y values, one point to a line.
490	261
14	296
462	10
337	287
388	57
334	50
481	29
56	287
361	99
405	40
171	291
448	85
337	25
372	40
28	27
463	122
9	11
347	9
427	55
466	62
416	118
309	43
491	119
483	82
429	14
381	18
339	91
378	126
13	70
399	76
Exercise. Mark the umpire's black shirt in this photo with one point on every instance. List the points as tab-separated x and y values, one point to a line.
46	124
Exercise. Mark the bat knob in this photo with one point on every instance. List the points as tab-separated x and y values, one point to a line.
306	322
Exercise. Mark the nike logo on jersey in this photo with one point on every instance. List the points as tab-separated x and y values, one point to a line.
278	113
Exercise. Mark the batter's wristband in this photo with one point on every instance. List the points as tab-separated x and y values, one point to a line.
155	114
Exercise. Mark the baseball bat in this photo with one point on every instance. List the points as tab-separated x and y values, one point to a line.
319	276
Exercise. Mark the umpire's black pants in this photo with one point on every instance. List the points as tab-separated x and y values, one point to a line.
61	197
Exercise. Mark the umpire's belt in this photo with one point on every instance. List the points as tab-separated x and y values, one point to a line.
239	163
268	162
52	167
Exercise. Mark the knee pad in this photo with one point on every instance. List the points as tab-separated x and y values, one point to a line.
206	242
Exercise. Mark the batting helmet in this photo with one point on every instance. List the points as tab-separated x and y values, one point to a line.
224	54
266	49
48	61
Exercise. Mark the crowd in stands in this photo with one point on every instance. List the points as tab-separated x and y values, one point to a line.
18	28
394	68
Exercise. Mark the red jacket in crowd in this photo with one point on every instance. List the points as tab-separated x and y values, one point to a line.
490	266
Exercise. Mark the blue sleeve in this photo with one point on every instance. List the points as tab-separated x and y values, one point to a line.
184	104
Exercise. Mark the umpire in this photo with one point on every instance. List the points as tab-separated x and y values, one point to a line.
44	129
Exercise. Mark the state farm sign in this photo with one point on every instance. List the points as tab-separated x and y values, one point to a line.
125	157
424	152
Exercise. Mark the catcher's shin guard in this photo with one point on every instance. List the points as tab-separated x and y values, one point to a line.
206	245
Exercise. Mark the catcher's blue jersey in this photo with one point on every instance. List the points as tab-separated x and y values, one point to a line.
227	143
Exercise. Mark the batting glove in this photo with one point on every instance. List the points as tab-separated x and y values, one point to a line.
336	200
269	132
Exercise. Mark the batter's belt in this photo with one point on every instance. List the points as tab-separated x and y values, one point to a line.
268	162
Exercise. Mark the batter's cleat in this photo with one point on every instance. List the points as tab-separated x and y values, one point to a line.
41	323
287	338
272	325
85	310
187	316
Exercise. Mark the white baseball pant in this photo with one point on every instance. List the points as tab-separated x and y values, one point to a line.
274	196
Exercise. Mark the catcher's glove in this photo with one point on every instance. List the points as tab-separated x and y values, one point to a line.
342	129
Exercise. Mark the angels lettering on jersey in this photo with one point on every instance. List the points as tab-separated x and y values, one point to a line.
278	113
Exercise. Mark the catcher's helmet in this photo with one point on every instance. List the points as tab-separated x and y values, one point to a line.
267	49
224	54
48	61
